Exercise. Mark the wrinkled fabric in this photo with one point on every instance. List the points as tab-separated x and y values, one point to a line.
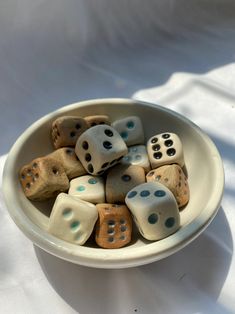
177	53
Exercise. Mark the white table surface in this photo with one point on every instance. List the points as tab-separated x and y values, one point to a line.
179	54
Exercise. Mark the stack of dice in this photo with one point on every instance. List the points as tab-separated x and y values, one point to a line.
103	177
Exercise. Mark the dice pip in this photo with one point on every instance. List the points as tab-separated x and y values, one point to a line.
120	180
100	148
130	129
173	177
137	155
114	226
88	188
72	166
66	130
165	149
154	209
72	219
43	178
96	120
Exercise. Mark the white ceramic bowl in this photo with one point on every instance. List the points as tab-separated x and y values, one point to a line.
205	175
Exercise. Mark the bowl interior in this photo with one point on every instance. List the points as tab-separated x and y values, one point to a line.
203	167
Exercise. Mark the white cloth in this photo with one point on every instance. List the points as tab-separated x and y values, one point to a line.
177	53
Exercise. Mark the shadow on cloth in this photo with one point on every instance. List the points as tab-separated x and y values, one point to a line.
194	276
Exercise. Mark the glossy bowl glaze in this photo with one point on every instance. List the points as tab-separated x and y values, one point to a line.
203	165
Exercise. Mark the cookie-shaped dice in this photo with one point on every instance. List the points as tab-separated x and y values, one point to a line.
43	178
66	130
72	219
154	210
130	129
88	188
114	226
120	180
165	149
137	155
100	148
96	120
72	166
173	177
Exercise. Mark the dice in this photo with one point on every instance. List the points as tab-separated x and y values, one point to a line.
88	188
72	166
173	177
137	155
96	120
154	210
99	148
66	130
165	149
72	219
114	226
130	129
120	180
43	178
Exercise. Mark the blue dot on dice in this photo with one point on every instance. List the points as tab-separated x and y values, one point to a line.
132	194
74	225
160	193
144	193
169	223
124	135
130	124
67	213
152	219
81	188
92	181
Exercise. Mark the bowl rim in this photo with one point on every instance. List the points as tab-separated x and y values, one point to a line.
115	258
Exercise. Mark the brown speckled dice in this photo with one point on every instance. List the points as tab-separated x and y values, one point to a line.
43	178
120	180
96	120
72	166
66	130
114	226
173	177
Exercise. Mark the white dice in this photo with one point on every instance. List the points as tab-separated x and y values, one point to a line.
72	219
99	148
165	149
154	210
130	129
88	188
137	155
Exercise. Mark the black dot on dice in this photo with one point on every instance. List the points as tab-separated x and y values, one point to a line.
72	134
77	126
126	178
107	145
85	145
88	157
171	152
108	132
166	135
104	165
90	168
168	143
156	147
157	155
154	140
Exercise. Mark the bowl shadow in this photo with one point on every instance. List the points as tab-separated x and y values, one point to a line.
192	277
